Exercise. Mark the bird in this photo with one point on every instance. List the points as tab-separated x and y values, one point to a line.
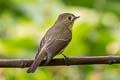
55	40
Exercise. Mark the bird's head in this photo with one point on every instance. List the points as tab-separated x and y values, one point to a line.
67	18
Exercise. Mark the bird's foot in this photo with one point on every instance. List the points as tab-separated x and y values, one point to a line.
66	59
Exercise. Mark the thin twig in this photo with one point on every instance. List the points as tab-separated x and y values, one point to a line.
22	63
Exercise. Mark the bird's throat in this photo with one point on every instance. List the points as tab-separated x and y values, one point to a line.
70	27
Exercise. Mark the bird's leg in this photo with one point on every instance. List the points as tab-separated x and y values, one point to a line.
66	59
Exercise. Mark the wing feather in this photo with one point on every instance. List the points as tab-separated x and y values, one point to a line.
42	42
54	47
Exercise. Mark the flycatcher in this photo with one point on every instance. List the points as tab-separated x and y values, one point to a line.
55	40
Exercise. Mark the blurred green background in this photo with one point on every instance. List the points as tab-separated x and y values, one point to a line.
96	33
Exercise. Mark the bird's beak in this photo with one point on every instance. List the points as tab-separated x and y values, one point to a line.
76	17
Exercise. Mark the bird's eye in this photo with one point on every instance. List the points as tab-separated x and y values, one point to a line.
69	18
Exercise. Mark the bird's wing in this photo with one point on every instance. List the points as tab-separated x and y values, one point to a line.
38	58
42	42
54	47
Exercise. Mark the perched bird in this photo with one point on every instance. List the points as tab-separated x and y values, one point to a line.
55	40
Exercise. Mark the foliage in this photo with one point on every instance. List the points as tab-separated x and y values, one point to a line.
96	33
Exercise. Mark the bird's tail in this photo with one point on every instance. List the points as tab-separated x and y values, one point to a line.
37	61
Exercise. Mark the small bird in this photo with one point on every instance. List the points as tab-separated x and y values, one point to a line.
55	40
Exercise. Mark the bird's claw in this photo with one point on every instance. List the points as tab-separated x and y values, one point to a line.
66	59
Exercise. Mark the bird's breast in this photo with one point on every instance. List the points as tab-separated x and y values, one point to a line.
59	32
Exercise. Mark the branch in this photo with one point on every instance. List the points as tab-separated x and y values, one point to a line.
22	63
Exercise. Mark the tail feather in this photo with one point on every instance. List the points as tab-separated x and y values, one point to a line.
36	62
